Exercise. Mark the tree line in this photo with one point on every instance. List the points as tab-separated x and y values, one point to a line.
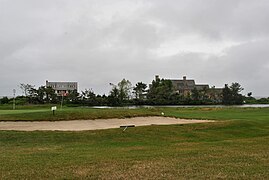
159	92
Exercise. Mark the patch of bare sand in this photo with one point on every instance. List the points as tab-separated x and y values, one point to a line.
83	125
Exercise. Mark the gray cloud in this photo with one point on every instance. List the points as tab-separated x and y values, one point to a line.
98	42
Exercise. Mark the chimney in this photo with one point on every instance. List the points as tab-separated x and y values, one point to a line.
184	78
157	77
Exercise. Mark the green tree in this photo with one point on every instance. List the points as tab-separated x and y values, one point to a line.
153	89
72	96
88	97
120	93
249	99
139	90
124	87
4	100
33	96
114	97
50	95
195	94
231	94
236	89
26	88
42	95
263	100
160	92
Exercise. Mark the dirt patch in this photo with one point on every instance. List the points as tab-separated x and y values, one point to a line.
83	125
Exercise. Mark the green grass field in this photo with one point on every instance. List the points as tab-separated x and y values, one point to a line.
73	113
236	146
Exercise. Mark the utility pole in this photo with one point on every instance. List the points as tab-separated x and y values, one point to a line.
62	100
14	94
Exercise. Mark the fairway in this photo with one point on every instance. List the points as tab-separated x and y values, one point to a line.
10	112
235	146
45	114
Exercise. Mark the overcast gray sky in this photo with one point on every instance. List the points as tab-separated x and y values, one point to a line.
97	42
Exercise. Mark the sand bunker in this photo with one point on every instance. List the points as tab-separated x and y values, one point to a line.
83	125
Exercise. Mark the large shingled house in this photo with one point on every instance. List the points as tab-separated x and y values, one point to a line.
185	87
62	88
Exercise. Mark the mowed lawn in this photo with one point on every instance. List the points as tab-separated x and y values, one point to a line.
236	146
45	114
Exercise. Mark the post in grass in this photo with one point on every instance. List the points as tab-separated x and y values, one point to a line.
53	109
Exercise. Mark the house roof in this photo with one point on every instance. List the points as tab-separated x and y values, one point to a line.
183	84
201	86
62	85
189	84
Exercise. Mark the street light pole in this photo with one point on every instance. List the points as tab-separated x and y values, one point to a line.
14	103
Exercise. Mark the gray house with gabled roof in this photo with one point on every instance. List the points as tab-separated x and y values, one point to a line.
186	86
